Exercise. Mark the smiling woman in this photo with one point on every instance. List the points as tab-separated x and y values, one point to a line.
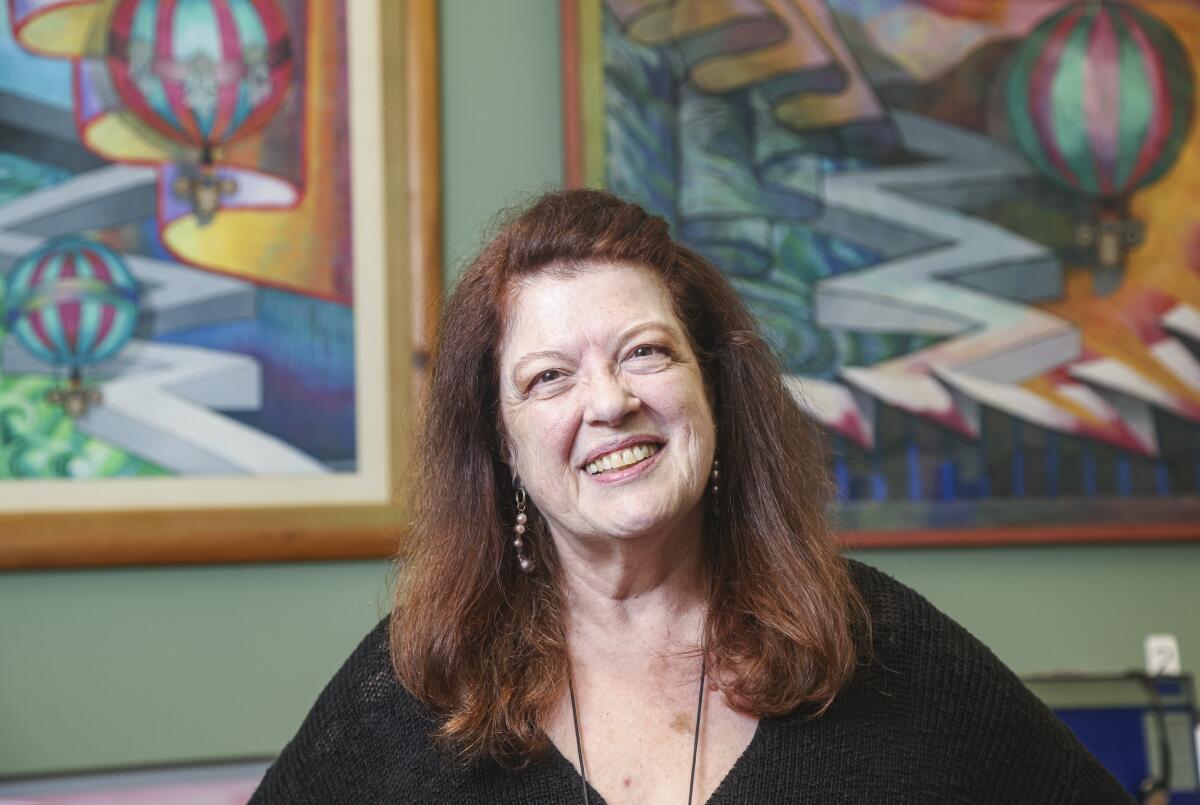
621	556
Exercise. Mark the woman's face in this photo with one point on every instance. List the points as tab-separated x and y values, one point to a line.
609	427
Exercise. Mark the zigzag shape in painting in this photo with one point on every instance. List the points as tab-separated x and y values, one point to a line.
951	274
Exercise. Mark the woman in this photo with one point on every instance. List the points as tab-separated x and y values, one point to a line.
620	584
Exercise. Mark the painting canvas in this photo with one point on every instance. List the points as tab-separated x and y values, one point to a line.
197	311
968	230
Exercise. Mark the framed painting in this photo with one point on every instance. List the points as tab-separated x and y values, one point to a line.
967	230
219	263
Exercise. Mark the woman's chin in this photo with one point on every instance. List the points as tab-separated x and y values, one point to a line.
630	524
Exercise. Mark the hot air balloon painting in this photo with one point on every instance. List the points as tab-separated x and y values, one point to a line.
968	231
203	74
1100	100
72	303
194	211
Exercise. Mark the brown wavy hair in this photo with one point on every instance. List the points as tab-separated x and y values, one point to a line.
481	644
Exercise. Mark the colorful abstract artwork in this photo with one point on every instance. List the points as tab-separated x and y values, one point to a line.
174	234
185	289
968	229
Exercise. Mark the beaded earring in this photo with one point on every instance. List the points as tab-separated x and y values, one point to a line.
523	561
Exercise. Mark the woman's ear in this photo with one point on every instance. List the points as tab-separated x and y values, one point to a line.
508	452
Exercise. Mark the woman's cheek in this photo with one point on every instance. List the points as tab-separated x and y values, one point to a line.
556	428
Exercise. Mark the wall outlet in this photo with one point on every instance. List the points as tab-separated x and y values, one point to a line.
1162	655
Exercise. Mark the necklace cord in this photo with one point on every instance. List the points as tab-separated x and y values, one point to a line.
695	735
579	740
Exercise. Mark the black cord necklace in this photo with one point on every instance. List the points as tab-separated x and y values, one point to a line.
695	737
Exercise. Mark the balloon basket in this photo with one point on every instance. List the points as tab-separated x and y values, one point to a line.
75	399
1109	239
203	190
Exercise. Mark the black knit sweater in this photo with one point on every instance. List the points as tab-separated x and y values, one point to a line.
933	717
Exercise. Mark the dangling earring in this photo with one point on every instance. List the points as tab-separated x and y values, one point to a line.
714	485
523	561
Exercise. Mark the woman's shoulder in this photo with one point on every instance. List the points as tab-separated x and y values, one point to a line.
929	685
908	628
366	691
363	730
915	646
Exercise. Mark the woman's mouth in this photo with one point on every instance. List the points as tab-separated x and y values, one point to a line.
621	459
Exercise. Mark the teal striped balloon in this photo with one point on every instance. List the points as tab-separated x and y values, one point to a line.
72	302
1100	97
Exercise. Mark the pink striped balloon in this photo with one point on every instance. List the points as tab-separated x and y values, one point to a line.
202	73
1100	97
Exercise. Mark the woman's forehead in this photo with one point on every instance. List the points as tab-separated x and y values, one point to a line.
594	300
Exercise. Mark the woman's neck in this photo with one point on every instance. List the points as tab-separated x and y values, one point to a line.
644	590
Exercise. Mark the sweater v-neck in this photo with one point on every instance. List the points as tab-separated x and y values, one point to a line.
742	766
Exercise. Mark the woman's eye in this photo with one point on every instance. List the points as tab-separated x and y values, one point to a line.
548	376
645	351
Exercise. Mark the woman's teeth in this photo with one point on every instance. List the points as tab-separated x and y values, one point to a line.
619	459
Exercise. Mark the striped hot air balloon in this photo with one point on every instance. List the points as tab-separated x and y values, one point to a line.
202	73
1100	98
71	303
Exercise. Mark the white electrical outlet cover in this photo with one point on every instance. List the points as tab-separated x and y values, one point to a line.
1162	655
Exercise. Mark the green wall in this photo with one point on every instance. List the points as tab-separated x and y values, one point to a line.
143	666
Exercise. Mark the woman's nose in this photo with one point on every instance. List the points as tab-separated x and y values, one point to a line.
609	400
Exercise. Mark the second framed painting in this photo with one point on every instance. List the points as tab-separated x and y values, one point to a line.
966	230
218	262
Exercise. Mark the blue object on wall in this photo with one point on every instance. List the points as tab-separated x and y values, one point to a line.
1121	720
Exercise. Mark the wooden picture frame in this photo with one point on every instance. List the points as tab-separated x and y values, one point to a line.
394	154
1072	427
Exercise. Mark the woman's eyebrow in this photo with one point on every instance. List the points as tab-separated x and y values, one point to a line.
647	326
531	357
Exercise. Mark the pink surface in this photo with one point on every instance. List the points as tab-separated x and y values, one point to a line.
235	792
